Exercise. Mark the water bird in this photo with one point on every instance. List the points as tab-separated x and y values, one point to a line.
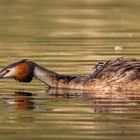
116	74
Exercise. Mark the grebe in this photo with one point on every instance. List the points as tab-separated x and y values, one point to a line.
116	74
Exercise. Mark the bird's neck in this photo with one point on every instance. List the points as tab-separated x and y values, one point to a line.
53	79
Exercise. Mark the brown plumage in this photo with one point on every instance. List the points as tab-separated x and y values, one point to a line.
24	72
117	74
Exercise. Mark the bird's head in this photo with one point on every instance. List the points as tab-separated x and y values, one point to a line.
21	71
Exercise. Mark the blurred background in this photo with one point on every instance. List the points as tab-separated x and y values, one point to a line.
67	36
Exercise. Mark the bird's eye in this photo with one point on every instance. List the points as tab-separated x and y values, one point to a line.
7	71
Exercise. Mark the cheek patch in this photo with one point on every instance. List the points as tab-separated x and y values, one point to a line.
24	72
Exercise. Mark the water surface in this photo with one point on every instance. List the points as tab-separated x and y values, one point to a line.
67	36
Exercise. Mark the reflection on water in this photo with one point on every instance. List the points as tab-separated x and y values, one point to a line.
24	101
70	114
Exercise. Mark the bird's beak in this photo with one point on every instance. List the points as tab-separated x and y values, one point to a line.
2	73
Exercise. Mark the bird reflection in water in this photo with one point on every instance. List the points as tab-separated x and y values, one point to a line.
24	101
99	102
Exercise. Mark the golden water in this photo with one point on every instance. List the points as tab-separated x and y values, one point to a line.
67	36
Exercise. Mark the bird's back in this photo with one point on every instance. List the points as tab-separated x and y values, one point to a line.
118	66
117	73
